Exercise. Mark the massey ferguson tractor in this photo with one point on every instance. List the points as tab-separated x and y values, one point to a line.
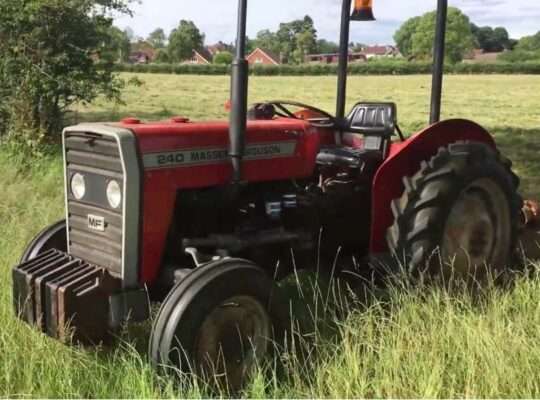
207	217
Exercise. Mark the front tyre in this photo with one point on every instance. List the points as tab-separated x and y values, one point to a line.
218	322
458	216
52	237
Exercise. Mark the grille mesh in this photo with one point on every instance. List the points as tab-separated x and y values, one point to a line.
96	157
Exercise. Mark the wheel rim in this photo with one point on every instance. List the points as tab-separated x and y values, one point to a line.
476	236
231	340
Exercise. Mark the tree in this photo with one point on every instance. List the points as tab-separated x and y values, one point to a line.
118	48
297	38
416	36
529	43
459	38
129	33
162	56
224	58
305	44
268	40
157	38
293	40
502	39
251	44
183	40
48	54
326	47
491	40
403	36
526	49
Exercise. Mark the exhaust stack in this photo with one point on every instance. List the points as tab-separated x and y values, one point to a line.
239	96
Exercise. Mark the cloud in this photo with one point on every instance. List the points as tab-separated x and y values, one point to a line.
217	18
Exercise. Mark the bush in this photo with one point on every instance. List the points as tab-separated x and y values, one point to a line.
162	56
379	67
520	56
223	58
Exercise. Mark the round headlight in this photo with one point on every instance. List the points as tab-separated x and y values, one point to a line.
78	186
114	194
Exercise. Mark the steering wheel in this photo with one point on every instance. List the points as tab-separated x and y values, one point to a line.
325	120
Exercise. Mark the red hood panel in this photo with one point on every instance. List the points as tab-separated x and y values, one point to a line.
195	154
168	135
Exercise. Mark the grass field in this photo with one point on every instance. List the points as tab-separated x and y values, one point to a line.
406	343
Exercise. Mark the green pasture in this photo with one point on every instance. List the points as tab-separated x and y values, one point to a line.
405	342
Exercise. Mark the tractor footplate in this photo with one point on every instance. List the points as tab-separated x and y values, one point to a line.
64	296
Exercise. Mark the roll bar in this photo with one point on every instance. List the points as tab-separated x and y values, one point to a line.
362	12
438	61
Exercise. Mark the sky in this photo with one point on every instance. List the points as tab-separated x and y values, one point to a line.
217	18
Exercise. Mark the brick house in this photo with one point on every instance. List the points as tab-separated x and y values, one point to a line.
200	57
263	57
142	52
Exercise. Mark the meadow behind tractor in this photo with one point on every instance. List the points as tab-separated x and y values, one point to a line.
205	217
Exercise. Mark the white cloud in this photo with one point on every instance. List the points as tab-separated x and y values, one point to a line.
217	18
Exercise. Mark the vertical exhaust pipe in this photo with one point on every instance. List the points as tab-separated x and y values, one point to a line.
239	96
343	59
438	61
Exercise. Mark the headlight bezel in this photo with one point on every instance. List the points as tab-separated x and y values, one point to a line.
77	185
114	194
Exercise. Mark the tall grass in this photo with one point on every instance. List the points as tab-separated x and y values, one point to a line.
404	341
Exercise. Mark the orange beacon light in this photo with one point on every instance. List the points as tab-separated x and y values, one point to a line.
363	11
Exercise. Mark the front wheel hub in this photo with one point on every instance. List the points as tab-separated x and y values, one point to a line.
232	338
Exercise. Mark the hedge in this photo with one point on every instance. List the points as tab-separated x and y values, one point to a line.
369	68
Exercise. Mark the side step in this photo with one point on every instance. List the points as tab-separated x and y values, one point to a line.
64	296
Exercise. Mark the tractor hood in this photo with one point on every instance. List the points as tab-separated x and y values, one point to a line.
181	133
196	154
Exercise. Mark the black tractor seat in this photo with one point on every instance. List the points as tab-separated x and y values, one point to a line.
374	119
376	122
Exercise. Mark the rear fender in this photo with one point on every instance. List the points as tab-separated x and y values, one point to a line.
404	160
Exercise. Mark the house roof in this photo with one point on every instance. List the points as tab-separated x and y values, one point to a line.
204	54
275	58
144	47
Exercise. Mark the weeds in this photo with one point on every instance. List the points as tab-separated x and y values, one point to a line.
401	341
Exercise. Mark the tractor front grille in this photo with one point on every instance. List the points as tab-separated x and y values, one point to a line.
97	158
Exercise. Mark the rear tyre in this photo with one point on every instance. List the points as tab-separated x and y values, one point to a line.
219	322
458	216
52	237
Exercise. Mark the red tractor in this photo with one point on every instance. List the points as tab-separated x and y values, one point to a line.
206	216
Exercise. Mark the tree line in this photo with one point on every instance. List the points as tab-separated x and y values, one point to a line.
57	53
415	39
293	40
